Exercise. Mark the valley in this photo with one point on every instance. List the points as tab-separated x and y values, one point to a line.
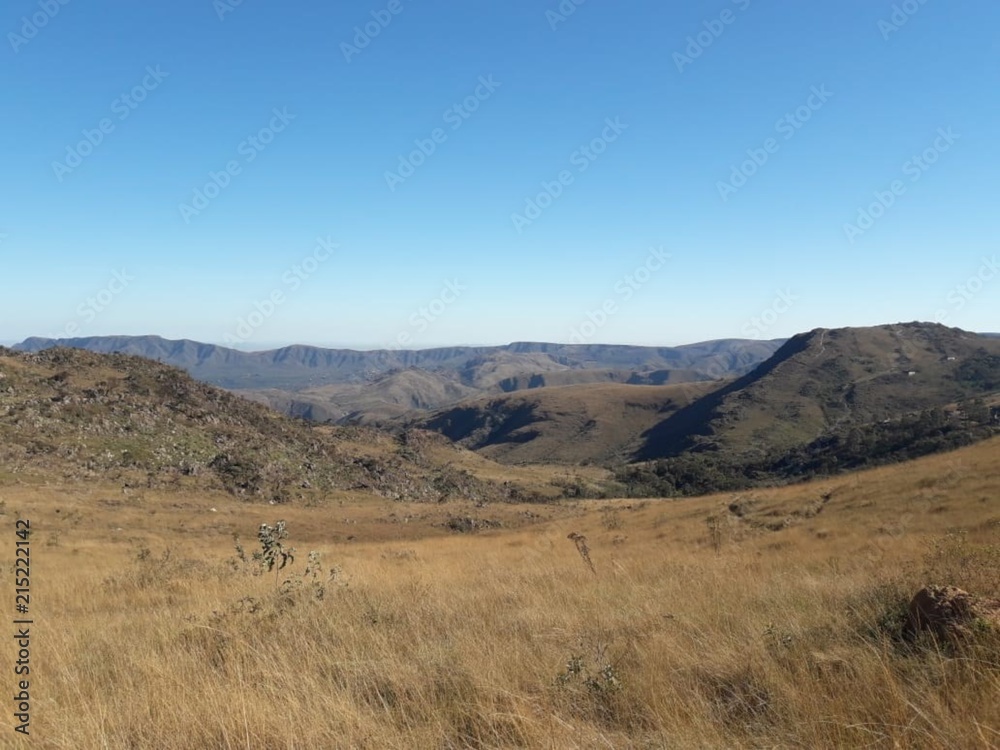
654	558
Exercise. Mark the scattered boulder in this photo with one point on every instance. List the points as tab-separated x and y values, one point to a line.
950	613
466	525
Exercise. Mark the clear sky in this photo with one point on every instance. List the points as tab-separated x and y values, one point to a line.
423	172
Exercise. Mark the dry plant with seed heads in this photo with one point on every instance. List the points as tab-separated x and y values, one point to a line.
581	546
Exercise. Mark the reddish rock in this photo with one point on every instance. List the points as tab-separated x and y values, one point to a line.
949	612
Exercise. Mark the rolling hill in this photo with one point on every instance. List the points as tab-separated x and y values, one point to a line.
394	397
80	415
564	425
827	379
831	400
825	401
379	401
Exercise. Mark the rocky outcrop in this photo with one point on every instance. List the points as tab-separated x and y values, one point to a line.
951	613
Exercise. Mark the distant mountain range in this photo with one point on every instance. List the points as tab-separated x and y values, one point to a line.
707	417
348	386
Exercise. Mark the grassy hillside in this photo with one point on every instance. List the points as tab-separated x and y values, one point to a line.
77	415
376	402
564	425
827	379
828	401
769	619
398	395
600	376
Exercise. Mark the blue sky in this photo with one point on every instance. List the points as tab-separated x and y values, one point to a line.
642	172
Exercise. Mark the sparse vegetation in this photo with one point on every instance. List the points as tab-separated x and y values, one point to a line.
470	618
85	416
783	637
857	447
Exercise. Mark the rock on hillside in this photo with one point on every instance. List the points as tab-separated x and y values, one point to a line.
74	414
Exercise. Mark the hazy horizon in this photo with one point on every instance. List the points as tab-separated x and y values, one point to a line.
264	346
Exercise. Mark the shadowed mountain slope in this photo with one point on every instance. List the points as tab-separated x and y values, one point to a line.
825	380
565	425
828	401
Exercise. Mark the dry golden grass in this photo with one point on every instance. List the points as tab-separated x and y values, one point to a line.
703	627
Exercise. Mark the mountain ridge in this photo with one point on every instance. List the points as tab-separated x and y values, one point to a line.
346	386
826	378
187	352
